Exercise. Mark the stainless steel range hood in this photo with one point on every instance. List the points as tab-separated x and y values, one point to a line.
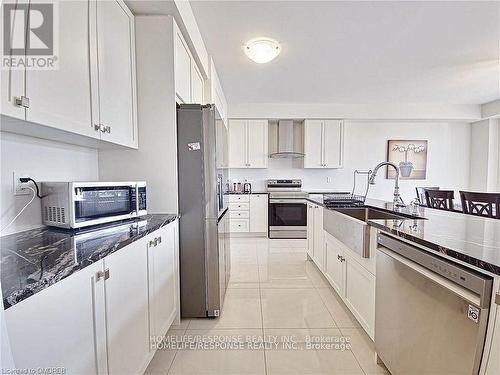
287	146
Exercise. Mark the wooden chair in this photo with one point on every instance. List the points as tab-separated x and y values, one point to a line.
440	199
481	204
421	193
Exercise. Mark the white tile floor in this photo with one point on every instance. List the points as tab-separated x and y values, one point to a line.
274	293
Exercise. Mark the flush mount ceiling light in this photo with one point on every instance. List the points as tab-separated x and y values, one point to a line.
262	50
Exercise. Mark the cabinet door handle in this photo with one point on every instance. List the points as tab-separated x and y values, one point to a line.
155	242
102	275
22	101
497	298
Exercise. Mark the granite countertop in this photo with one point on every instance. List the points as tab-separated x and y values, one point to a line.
35	259
471	239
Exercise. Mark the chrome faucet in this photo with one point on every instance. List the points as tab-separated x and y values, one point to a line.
397	201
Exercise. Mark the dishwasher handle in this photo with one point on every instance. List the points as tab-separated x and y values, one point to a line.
468	284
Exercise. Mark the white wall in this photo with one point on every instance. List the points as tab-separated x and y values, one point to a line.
479	155
365	145
485	155
43	161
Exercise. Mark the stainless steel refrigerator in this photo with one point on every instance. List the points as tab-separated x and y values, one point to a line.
204	246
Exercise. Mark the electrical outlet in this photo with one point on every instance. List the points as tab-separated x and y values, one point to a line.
328	179
17	187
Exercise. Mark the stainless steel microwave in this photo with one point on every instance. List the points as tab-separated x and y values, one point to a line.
81	204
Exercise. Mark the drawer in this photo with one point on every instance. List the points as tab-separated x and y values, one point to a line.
239	214
239	206
239	225
234	198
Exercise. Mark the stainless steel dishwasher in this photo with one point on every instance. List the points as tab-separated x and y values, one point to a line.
431	315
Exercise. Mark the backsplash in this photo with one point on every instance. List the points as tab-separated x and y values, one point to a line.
43	161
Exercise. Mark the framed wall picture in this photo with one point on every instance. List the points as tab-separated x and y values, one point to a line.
411	158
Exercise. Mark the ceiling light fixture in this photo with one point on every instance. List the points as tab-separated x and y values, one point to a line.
262	50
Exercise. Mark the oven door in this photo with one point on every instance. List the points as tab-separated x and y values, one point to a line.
100	204
287	218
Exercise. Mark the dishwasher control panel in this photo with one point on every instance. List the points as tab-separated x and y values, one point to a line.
467	278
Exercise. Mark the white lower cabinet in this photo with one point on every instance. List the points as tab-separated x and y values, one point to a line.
315	240
127	309
359	293
248	213
162	280
354	283
334	270
99	320
310	229
55	327
258	213
319	249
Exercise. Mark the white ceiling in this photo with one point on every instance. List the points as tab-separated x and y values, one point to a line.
356	52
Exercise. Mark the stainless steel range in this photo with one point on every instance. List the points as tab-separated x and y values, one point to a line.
287	209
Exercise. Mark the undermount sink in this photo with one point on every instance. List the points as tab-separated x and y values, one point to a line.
366	213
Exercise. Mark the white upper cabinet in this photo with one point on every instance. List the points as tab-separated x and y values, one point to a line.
333	143
60	98
323	143
196	85
189	82
12	80
313	144
216	94
237	143
92	91
183	61
115	87
257	148
248	143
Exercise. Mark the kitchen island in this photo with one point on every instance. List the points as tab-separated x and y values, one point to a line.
469	242
468	239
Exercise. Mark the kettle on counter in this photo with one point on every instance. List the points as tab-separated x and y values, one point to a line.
247	187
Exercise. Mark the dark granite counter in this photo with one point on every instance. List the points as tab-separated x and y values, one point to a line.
471	239
35	259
